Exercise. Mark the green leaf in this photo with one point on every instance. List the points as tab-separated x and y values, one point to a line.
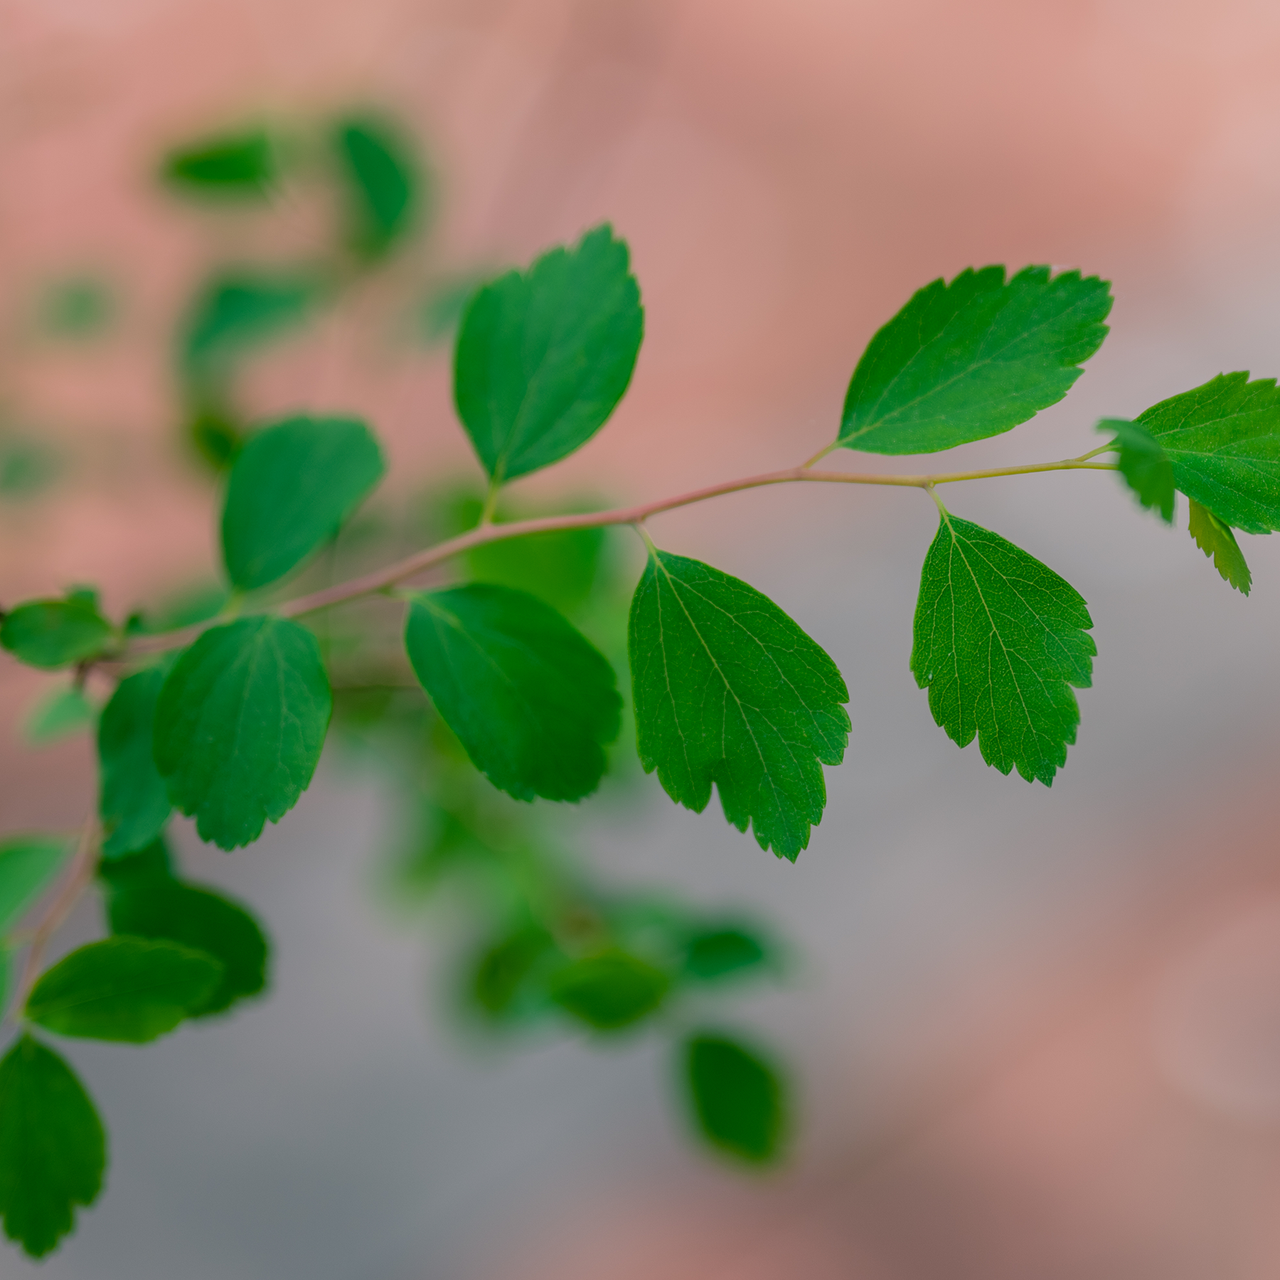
500	981
198	918
999	641
1144	465
291	488
609	991
531	699
718	953
239	310
54	633
52	1147
543	357
1215	539
383	186
234	166
28	865
123	988
970	359
239	726
738	1099
152	863
133	801
1223	439
729	690
60	714
6	977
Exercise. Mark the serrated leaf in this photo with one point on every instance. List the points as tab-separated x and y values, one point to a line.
238	310
60	714
202	920
970	359
1144	465
54	633
133	801
291	488
52	1147
738	1099
1223	439
728	689
609	991
383	186
28	865
544	356
125	989
532	701
1215	539
999	641
239	726
235	166
713	953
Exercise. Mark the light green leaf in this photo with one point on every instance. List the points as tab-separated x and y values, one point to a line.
1215	539
999	641
133	801
609	991
1223	439
235	166
238	310
54	633
738	1099
52	1147
239	726
383	186
531	699
59	714
543	357
28	865
291	488
970	359
1144	465
728	689
126	989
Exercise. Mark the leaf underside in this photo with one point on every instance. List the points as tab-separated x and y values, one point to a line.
1216	540
999	641
729	690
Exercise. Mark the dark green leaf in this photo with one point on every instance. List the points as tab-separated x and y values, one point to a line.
738	1099
62	713
543	357
499	982
1144	465
291	487
237	166
999	641
240	724
54	633
609	991
717	953
531	699
157	907
28	865
383	186
970	359
52	1147
133	802
239	310
729	690
1223	439
1216	540
151	863
214	431
129	989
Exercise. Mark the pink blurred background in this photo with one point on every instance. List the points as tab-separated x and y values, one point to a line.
1038	1031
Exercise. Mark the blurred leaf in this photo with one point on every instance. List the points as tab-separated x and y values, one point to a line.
59	714
384	185
445	304
1144	465
54	633
133	801
27	468
239	310
52	1147
6	977
738	1099
238	166
718	953
609	991
185	608
28	865
126	989
78	308
1215	539
291	487
500	979
152	863
215	434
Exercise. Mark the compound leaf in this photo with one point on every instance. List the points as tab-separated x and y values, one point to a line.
609	991
544	356
28	865
382	184
738	1099
239	726
1215	539
290	489
234	166
123	988
1223	439
52	1147
970	359
55	633
531	699
999	641
133	802
728	689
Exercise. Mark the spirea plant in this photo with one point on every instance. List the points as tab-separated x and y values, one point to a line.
487	690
